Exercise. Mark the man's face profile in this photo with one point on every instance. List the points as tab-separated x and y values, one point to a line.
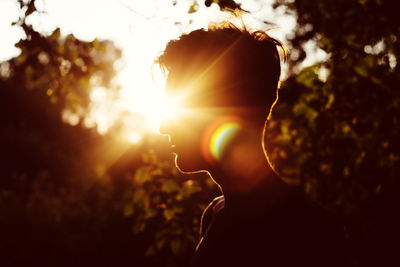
207	133
186	128
226	80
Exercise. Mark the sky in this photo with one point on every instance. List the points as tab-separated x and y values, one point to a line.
141	29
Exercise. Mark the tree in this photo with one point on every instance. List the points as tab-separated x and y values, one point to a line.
338	134
52	75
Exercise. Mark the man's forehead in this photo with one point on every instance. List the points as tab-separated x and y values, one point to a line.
199	76
188	80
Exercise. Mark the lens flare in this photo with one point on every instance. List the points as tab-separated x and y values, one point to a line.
218	136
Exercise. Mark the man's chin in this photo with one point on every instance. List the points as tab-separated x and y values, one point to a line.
186	166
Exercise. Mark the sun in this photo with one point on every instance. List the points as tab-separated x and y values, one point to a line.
134	137
166	107
142	83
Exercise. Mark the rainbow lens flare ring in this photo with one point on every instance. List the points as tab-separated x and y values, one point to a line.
217	137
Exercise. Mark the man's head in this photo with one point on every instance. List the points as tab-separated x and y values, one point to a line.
223	73
243	67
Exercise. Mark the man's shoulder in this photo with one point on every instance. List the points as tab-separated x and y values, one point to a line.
214	207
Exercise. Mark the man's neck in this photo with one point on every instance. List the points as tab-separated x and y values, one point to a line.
254	191
262	196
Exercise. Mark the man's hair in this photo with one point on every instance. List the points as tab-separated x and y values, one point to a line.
248	62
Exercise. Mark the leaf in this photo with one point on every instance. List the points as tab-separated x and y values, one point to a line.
308	76
31	8
142	175
55	35
150	251
160	243
229	5
140	197
194	7
138	226
361	70
128	210
362	2
189	189
168	214
170	186
301	109
175	246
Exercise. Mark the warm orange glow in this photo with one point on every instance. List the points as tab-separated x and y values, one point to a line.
141	35
165	108
134	137
171	107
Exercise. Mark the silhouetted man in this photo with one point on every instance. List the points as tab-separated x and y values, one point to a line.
227	80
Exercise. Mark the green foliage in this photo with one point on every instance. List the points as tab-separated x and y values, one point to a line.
343	121
71	66
337	136
229	5
165	206
194	7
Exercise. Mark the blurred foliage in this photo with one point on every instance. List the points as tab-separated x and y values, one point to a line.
335	129
72	197
340	131
229	5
